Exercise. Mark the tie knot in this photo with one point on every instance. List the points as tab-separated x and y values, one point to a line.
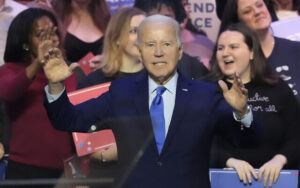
160	90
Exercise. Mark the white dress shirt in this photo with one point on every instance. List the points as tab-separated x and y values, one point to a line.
168	98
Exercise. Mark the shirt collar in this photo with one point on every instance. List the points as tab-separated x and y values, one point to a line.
170	85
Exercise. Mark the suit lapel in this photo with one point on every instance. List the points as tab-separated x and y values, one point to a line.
183	93
141	101
140	95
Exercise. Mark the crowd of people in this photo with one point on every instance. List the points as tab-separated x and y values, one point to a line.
229	104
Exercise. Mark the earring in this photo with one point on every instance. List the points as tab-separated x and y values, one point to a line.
25	47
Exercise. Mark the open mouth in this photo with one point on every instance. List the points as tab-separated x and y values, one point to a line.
159	63
227	62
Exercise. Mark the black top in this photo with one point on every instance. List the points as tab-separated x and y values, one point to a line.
77	49
98	77
277	109
191	67
285	60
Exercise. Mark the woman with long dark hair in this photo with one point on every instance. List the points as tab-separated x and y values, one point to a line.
36	149
238	51
282	54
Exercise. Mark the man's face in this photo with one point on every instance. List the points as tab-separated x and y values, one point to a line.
159	50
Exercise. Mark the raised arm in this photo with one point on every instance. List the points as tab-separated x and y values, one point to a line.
56	70
236	96
51	59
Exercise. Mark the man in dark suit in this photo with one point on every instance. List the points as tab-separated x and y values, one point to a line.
182	114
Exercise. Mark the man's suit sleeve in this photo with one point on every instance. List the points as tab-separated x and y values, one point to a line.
80	118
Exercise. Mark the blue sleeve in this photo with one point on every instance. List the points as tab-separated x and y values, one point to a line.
79	118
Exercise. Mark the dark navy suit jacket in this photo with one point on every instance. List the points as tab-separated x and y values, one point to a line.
200	112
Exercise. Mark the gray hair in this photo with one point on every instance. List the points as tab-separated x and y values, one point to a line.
158	19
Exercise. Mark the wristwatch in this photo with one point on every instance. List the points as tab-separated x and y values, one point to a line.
240	118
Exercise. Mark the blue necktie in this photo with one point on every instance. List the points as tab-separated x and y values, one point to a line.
157	117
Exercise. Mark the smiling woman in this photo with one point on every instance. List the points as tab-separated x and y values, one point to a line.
239	51
120	56
120	52
233	55
279	52
37	150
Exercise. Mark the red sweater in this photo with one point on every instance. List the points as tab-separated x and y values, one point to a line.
33	141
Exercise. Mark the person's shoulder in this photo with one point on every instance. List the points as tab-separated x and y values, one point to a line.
126	87
283	88
205	87
131	80
287	42
94	78
192	67
206	91
97	74
285	51
14	65
278	91
187	58
284	94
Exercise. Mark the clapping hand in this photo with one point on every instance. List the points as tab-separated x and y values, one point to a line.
236	96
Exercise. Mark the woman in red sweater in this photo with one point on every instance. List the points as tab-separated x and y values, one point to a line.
36	149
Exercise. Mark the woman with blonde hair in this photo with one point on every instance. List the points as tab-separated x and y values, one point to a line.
120	56
120	53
